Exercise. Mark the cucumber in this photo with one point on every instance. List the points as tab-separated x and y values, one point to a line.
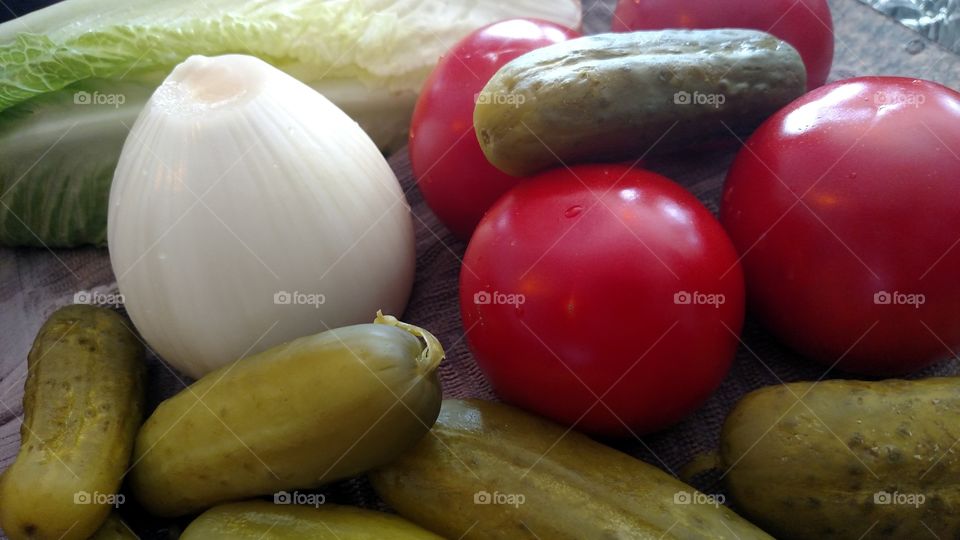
612	97
82	405
493	472
261	520
114	529
852	460
311	411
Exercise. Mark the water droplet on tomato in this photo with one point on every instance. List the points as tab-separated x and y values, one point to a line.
573	211
852	176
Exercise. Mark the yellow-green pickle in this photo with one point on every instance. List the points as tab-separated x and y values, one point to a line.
314	410
848	459
82	405
262	520
494	472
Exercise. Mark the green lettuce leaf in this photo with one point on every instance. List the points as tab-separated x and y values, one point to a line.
74	76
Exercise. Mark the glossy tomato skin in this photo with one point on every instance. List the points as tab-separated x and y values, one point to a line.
457	181
598	255
844	200
805	24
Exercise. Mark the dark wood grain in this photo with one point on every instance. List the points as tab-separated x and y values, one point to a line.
33	282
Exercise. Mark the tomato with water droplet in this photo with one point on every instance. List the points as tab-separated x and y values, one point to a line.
604	297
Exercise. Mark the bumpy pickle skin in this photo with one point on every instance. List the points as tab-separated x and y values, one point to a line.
83	403
615	97
847	459
263	520
308	412
490	471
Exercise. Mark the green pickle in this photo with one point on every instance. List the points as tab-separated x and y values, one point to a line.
614	97
311	411
848	459
261	520
494	472
82	405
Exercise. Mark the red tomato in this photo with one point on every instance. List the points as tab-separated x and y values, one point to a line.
455	178
603	297
845	208
805	24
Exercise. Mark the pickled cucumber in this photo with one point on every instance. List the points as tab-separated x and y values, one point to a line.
311	411
82	405
493	472
848	459
261	520
612	97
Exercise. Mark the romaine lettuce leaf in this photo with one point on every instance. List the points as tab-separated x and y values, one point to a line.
74	76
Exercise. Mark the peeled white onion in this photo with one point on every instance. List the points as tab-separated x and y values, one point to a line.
247	210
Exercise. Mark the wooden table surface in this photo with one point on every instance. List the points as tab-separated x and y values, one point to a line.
33	281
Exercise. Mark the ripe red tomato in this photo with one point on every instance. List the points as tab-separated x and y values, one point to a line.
844	206
457	181
805	24
603	297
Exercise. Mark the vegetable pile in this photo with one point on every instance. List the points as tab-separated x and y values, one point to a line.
254	228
